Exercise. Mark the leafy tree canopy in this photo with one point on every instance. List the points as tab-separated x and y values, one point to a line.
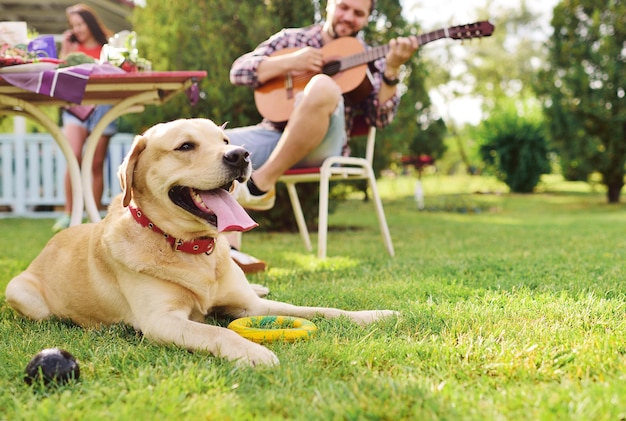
584	84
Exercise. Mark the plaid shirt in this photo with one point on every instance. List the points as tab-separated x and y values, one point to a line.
244	73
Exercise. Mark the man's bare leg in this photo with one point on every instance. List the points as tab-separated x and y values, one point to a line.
305	131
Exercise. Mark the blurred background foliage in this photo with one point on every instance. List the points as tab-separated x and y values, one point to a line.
559	104
555	106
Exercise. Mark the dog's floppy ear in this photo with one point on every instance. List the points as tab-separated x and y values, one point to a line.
126	170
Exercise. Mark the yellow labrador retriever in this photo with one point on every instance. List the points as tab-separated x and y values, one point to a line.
157	261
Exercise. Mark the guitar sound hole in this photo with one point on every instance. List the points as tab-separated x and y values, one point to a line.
331	68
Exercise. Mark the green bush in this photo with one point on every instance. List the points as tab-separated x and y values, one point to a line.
515	149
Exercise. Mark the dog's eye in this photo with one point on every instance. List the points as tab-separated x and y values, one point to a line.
226	141
187	146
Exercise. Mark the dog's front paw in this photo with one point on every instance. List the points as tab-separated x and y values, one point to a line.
252	355
368	316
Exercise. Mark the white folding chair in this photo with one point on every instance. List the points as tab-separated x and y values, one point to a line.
337	168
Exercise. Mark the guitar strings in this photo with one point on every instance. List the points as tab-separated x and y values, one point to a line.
471	30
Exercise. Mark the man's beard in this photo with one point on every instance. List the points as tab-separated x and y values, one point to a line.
334	32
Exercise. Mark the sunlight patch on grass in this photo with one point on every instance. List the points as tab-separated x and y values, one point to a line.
436	184
311	262
556	183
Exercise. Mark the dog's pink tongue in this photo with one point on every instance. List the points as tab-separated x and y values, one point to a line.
230	215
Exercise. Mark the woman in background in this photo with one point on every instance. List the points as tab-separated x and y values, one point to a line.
87	35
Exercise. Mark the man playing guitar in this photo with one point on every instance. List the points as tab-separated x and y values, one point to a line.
318	120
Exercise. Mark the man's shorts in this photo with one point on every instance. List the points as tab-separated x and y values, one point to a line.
260	141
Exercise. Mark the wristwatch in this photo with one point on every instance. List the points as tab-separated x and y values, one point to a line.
390	82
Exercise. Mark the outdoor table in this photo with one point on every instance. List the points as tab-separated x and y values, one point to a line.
126	92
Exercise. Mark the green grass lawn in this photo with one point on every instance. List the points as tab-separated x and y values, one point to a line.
512	308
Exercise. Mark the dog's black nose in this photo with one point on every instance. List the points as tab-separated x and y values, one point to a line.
237	157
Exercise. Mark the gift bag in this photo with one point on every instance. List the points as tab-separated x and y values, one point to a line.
43	46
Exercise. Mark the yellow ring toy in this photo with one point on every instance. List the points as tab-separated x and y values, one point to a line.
261	329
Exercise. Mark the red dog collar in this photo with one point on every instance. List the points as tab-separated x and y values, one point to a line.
197	246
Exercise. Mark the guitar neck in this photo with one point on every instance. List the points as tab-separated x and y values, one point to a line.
381	51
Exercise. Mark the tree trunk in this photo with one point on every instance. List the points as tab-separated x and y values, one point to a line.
614	191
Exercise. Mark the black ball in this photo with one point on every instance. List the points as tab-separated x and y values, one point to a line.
52	365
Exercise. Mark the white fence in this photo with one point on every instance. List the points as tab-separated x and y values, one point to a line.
32	170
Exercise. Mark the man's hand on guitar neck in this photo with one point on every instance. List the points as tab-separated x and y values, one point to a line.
400	51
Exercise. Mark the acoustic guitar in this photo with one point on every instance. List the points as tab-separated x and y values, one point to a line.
345	60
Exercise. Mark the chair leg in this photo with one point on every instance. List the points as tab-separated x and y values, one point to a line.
297	212
322	224
382	220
